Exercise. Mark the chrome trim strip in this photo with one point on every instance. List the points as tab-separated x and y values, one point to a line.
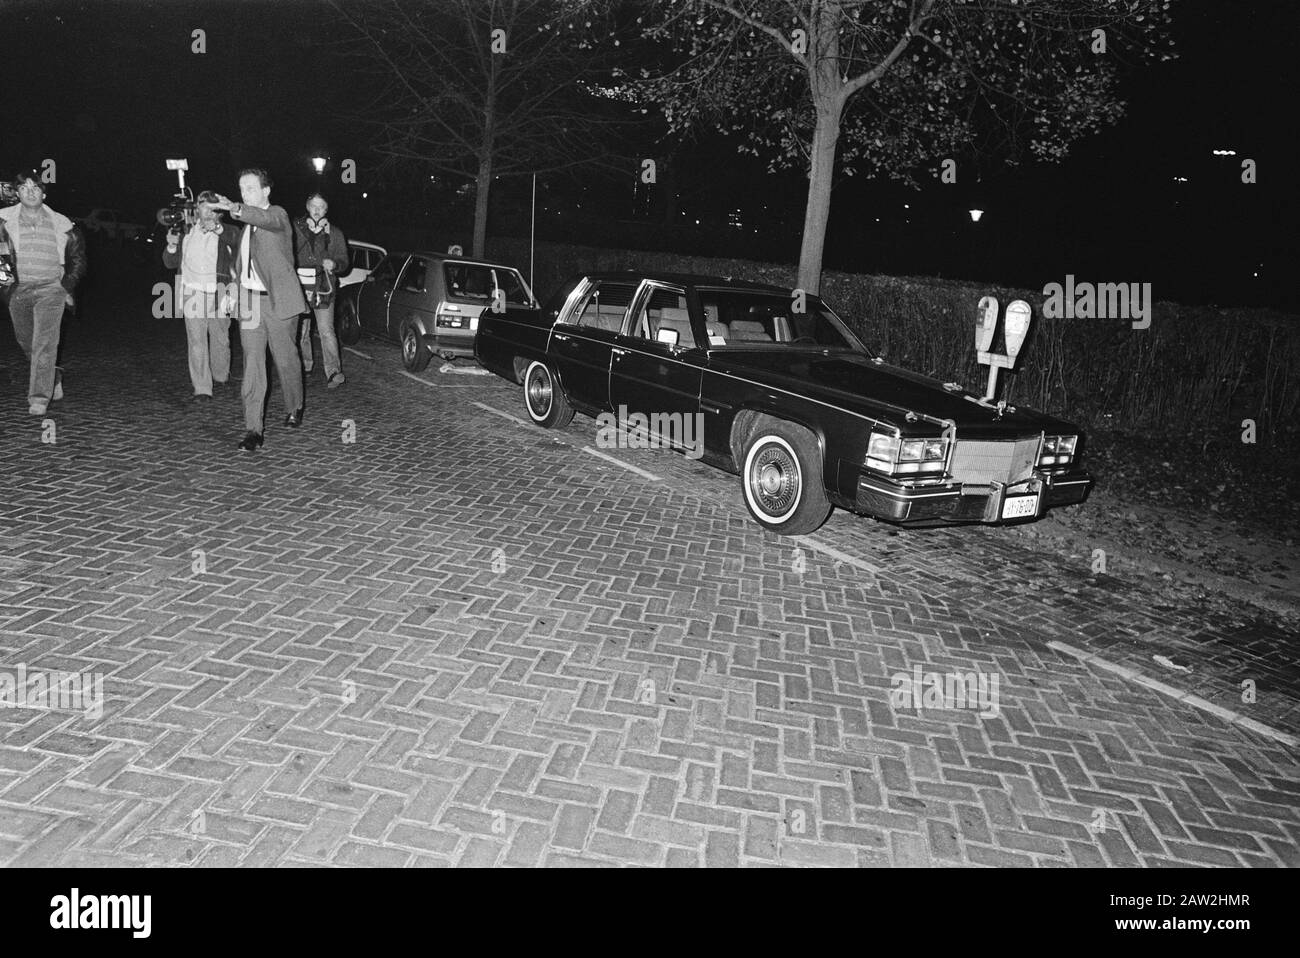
950	493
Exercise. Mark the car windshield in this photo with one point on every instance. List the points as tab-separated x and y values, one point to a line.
743	318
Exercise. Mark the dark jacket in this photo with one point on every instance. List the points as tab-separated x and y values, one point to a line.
227	251
271	246
8	266
71	244
313	249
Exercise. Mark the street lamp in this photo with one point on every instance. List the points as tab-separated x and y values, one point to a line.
975	215
318	163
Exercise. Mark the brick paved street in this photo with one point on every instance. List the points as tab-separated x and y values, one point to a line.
461	640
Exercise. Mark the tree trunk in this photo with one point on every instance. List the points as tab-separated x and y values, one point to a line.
821	171
482	191
487	148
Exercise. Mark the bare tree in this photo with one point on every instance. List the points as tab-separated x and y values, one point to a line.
486	88
893	87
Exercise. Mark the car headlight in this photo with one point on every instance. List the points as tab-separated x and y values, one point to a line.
882	449
1058	451
897	456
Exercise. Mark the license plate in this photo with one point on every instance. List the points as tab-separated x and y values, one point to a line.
1017	507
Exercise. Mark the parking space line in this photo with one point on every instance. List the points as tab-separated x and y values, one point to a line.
1232	718
498	412
419	379
834	553
435	385
600	455
357	352
619	462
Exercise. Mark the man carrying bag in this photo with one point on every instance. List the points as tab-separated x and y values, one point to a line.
322	257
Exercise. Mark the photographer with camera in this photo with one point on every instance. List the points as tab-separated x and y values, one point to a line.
322	252
205	260
47	261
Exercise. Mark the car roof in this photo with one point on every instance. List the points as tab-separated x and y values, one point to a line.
373	246
690	279
444	257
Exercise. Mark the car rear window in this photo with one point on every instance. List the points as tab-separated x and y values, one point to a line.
606	306
747	319
468	280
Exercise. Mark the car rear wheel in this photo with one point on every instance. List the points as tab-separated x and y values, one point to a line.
415	355
349	326
782	480
544	399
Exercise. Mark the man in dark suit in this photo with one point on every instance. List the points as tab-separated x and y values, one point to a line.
271	302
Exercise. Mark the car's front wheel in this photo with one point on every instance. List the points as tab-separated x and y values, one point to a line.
415	355
544	399
782	480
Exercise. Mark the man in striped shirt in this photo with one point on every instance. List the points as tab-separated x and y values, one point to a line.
50	256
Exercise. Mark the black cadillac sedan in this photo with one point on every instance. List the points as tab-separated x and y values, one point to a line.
770	384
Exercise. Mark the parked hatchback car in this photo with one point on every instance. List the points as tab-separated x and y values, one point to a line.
788	398
431	302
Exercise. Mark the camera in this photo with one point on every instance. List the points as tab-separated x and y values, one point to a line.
181	212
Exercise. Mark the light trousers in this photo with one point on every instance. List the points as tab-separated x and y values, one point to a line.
208	336
36	310
329	341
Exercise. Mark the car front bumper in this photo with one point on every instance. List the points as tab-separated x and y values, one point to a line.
965	502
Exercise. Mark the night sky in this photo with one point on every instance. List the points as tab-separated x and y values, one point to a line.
110	89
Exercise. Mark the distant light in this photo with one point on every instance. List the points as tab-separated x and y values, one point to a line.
1225	152
906	207
364	195
318	163
1180	179
975	215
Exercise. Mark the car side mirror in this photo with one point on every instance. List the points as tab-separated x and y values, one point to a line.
667	336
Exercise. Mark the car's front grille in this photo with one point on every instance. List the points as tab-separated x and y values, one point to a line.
977	461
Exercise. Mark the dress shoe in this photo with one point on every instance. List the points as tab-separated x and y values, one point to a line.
294	419
203	398
335	380
37	409
251	441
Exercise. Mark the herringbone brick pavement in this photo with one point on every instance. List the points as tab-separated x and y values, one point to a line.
462	641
